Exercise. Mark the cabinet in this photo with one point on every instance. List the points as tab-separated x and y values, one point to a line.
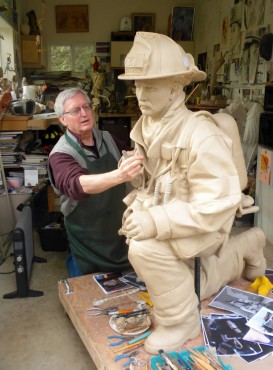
30	52
119	125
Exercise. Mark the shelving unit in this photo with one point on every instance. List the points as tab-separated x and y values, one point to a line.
9	221
9	202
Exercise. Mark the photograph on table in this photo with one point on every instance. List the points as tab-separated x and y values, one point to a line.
110	282
262	321
225	333
241	302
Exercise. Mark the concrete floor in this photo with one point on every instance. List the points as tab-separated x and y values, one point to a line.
36	334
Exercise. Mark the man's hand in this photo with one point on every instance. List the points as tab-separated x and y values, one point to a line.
127	171
140	225
129	168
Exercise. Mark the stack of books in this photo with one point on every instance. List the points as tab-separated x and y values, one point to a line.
8	148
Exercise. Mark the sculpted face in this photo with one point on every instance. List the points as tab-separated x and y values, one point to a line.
154	96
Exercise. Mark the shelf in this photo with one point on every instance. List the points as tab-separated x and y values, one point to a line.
23	123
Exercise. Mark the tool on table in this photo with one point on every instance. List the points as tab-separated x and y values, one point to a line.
130	345
133	329
67	285
130	340
162	366
145	296
137	345
169	361
204	360
130	357
116	311
99	302
107	311
214	359
143	311
138	362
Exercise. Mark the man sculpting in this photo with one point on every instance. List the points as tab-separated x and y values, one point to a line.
186	197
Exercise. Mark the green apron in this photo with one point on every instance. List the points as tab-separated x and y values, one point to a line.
92	227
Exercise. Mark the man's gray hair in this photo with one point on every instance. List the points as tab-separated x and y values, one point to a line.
66	95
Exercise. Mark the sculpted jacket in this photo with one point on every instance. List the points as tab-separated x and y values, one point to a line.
191	191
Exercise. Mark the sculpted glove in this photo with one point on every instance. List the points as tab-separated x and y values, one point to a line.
140	225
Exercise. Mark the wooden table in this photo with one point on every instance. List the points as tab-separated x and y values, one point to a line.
94	330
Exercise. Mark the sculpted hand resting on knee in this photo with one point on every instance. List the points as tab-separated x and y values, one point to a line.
186	196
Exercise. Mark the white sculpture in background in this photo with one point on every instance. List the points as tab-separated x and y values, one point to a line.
186	198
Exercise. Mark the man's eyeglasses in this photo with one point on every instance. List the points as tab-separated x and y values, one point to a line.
77	111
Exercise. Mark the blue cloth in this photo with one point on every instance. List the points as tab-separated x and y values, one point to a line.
72	266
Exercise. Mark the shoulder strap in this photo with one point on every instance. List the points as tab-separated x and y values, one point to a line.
183	142
189	126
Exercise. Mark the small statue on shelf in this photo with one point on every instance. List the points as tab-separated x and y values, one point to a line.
5	97
8	62
98	83
32	21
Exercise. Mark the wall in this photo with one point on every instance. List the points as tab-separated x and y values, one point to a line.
209	17
208	33
104	17
6	46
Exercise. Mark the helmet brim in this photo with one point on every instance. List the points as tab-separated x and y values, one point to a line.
194	76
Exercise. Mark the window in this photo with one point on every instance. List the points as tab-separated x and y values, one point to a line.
70	57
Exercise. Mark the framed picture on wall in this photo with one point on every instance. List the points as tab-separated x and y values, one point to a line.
143	22
182	23
72	18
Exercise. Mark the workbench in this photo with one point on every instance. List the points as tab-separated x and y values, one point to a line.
95	330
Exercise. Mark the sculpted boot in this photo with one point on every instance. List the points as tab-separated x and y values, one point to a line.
249	245
241	256
170	284
171	338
